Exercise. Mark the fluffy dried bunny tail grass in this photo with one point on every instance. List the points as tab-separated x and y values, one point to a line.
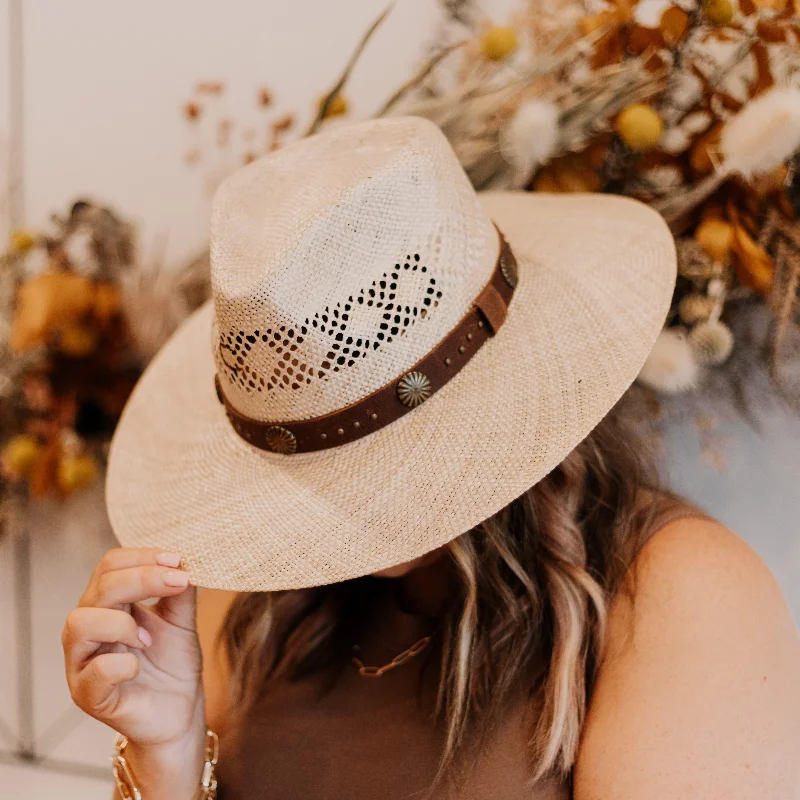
671	366
529	139
764	134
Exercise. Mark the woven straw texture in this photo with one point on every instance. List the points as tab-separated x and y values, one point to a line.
344	259
309	231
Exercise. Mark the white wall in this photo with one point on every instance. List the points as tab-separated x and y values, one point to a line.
106	83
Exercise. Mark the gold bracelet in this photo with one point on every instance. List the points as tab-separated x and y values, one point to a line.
126	784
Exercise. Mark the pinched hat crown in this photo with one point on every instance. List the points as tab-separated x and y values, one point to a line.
339	263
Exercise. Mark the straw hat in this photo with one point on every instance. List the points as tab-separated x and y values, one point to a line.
377	373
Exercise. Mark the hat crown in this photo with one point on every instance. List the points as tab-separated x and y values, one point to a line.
339	262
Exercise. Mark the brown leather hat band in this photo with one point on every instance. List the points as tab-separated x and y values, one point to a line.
392	401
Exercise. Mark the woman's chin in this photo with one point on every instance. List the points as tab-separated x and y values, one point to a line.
400	570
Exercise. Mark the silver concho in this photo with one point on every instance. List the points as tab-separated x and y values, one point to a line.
280	440
508	266
413	389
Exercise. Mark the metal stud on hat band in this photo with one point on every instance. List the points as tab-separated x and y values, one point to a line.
399	397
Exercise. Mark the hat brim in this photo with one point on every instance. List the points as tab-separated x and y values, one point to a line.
596	275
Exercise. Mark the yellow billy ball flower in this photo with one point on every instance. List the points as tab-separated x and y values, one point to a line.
75	472
22	241
499	42
719	12
336	107
639	127
19	455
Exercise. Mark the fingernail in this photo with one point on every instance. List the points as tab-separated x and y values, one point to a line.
145	638
168	559
177	579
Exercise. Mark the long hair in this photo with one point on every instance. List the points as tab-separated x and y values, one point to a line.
528	612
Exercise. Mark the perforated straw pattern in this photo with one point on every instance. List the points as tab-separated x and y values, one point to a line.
292	368
595	281
353	252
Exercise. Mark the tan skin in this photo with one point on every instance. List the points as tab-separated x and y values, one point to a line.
698	696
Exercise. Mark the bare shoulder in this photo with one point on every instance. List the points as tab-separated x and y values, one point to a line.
212	608
699	693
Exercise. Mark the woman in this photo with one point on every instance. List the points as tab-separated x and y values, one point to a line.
448	573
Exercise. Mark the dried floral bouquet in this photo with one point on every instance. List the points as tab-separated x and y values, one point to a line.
80	317
693	108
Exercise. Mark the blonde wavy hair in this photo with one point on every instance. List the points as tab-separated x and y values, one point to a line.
528	611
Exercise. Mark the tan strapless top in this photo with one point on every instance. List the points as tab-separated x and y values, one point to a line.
371	739
367	739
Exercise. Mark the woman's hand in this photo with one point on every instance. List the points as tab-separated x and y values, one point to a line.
136	667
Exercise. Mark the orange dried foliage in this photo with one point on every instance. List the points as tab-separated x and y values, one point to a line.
764	79
264	97
595	154
712	210
674	25
611	47
785	206
283	123
596	22
641	39
701	154
571	173
107	302
769	183
47	304
654	62
771	5
754	266
722	34
715	236
625	8
772	32
43	474
192	111
210	87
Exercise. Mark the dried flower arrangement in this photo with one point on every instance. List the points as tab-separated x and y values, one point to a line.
79	319
690	106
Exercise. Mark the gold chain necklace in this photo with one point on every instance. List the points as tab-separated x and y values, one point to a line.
406	655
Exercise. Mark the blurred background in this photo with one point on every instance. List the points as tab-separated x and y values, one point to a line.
118	120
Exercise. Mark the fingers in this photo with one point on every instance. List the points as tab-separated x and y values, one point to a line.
180	609
125	557
129	574
88	629
94	688
120	587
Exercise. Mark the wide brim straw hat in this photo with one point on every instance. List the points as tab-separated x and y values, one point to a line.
330	413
